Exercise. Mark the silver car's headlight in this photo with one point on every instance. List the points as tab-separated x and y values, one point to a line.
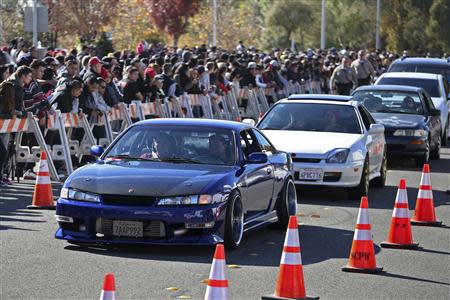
410	132
193	199
71	194
338	156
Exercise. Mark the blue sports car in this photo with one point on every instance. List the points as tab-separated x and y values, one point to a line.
178	181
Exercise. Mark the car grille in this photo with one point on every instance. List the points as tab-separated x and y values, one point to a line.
152	229
128	200
306	160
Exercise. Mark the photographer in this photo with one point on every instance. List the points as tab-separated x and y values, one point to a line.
7	111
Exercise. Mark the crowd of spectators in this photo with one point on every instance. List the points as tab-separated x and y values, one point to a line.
82	80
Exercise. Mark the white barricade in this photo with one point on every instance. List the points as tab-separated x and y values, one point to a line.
199	100
28	124
172	108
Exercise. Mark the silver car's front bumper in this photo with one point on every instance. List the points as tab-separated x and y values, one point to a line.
339	175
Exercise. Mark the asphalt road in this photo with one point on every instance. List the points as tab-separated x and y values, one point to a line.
34	265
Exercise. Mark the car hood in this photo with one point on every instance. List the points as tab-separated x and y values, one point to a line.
310	142
147	178
399	120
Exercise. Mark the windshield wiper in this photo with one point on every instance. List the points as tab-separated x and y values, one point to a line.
181	160
126	156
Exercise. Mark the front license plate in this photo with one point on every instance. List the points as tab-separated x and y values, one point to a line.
311	174
128	229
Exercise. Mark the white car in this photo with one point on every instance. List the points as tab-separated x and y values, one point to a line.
435	85
333	141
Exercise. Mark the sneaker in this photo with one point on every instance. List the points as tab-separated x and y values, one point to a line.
29	175
7	181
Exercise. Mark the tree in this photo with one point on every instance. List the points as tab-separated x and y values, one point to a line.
172	16
104	45
84	18
439	24
291	17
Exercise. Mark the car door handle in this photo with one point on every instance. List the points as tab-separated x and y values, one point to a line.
269	171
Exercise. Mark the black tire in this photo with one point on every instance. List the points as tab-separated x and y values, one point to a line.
234	221
287	204
355	193
444	141
436	153
423	159
381	180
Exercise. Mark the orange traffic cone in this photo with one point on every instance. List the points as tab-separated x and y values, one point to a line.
43	195
109	288
424	214
400	234
290	283
218	283
362	255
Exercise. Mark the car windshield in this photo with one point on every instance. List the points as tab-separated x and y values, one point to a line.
312	117
444	70
390	102
429	85
176	144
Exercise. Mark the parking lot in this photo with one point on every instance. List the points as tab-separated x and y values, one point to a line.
34	265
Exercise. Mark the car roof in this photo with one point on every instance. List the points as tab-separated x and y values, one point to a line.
422	61
389	87
410	75
320	97
195	122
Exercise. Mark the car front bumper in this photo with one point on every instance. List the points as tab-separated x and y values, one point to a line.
338	175
92	223
406	146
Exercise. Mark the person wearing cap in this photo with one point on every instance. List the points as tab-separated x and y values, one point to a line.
343	78
70	72
94	68
363	69
249	76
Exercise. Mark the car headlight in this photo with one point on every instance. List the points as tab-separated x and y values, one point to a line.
338	156
71	194
193	199
410	132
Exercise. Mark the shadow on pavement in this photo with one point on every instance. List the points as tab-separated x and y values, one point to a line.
387	274
264	243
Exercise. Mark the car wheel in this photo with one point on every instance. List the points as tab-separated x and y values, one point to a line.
234	221
362	189
425	158
381	180
435	154
286	204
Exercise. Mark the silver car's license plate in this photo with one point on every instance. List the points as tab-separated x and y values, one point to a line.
128	228
311	174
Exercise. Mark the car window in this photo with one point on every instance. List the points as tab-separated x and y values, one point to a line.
203	145
390	101
429	85
422	68
428	102
249	143
311	117
365	115
266	146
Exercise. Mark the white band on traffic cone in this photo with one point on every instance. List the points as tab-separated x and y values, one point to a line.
43	166
400	213
425	179
363	216
362	235
291	238
218	270
402	196
425	194
107	295
43	180
219	293
291	258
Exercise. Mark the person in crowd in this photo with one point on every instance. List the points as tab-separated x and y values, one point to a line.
130	87
66	98
363	69
7	111
343	78
94	68
70	72
20	79
4	72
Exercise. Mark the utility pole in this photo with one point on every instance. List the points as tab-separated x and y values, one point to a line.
35	22
214	25
2	35
377	30
323	33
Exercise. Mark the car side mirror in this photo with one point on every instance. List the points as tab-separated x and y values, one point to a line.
97	150
250	122
257	158
434	112
376	128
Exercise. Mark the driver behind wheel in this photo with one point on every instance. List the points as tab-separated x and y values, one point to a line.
218	148
165	147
